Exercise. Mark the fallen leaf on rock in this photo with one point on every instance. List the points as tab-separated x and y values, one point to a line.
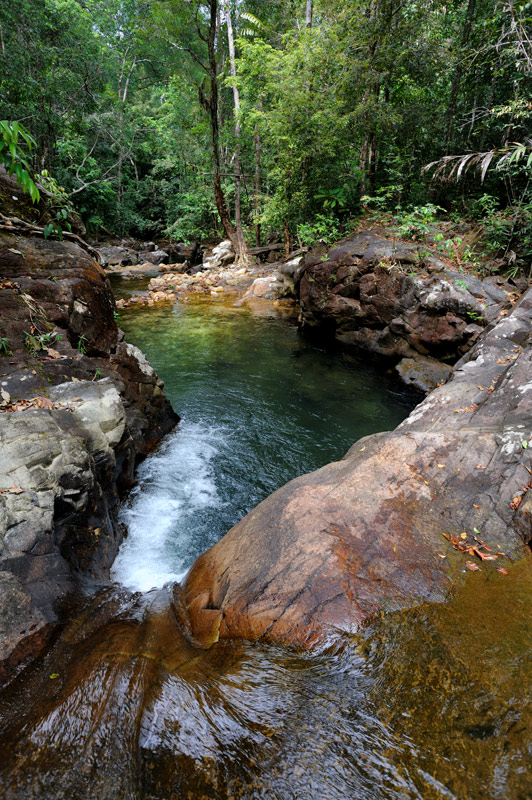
501	570
441	555
473	567
475	505
75	380
5	395
12	490
43	402
53	353
463	535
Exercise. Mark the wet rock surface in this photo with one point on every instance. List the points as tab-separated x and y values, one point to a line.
333	548
396	300
78	408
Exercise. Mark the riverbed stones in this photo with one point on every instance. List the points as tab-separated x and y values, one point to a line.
364	535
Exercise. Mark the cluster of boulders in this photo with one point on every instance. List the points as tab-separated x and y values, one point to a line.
129	253
168	287
403	302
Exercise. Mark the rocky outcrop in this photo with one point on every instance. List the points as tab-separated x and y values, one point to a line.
118	256
78	408
396	301
333	548
157	257
220	256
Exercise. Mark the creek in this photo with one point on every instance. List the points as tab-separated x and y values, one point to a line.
433	703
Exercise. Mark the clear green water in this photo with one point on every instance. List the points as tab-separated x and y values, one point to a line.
433	703
259	406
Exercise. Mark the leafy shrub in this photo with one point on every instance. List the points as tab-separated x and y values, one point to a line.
417	223
12	156
323	229
509	230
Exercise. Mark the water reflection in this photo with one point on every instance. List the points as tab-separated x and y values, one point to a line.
430	703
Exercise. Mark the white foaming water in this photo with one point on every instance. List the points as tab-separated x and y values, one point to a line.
174	484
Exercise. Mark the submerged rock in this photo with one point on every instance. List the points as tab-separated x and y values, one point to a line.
333	548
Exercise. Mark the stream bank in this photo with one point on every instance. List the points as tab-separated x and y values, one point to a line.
79	408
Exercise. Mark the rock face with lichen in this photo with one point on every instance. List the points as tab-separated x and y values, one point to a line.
398	302
78	408
335	547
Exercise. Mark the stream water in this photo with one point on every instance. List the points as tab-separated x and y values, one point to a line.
429	704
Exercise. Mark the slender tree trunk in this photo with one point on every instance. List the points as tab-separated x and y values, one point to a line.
256	187
210	104
308	14
367	150
286	238
242	250
457	78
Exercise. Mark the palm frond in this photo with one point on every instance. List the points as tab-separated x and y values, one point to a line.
448	167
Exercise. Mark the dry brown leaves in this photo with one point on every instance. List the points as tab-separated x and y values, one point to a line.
12	490
518	499
7	284
471	408
476	548
9	406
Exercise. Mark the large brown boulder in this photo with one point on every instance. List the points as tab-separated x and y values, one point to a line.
64	283
395	300
363	535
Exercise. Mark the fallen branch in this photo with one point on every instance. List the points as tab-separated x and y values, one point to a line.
16	225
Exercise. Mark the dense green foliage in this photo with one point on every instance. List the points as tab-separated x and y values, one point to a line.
131	107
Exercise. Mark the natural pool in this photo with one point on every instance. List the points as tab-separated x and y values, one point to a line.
429	704
259	406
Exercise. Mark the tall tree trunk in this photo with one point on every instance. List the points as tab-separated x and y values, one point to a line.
368	147
210	104
242	255
286	238
256	187
308	14
457	78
